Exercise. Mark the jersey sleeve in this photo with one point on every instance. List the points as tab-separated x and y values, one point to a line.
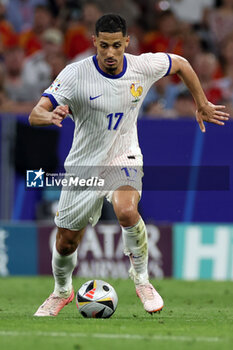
62	89
158	64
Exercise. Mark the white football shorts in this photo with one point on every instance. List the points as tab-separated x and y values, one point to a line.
78	208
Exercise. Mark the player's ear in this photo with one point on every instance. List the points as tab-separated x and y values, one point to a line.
94	40
127	40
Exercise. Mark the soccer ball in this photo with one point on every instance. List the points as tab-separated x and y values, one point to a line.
96	299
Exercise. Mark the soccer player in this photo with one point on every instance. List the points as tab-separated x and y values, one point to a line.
103	95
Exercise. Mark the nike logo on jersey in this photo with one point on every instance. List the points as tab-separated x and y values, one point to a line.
93	98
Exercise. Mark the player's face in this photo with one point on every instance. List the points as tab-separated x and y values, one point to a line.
110	51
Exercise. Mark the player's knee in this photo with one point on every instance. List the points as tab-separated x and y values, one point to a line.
127	215
66	243
66	248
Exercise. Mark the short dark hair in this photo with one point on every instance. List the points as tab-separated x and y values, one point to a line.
111	23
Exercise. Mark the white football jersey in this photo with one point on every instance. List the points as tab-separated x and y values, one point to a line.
105	107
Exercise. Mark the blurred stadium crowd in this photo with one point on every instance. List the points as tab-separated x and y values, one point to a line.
38	38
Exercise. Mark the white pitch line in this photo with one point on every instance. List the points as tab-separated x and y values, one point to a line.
115	336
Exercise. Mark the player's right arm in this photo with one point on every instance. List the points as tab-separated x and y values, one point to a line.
43	114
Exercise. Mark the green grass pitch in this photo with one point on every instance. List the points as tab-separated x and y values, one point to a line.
197	315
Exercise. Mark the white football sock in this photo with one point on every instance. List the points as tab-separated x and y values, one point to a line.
63	267
136	247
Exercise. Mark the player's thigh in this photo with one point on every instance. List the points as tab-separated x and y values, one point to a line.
77	209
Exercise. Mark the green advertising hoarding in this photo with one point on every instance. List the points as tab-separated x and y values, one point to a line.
203	251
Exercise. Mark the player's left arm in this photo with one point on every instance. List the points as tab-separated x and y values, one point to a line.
206	111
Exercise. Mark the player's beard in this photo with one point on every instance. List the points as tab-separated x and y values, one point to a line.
111	70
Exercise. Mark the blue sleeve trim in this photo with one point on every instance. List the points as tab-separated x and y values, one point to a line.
52	99
170	64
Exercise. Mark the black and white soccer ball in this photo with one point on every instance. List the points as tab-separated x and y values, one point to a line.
96	299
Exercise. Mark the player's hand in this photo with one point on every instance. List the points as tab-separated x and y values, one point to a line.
212	114
58	114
